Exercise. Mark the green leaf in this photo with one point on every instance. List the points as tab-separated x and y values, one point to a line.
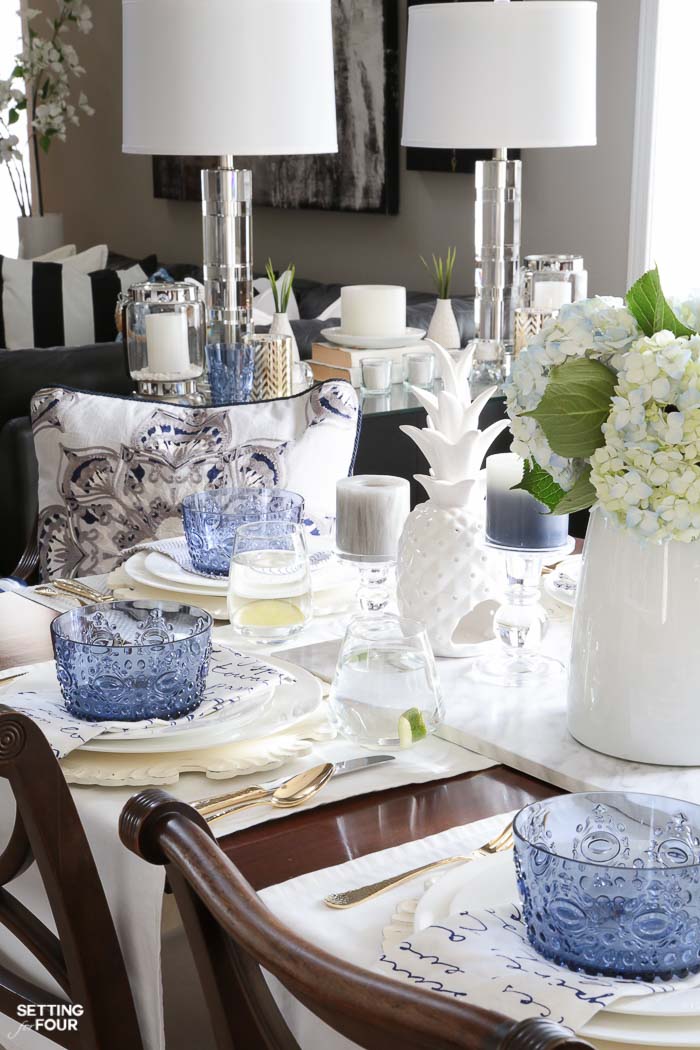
541	485
12	116
649	307
18	71
574	407
581	496
45	142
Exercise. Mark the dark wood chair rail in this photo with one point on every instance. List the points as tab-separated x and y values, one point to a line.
85	958
233	934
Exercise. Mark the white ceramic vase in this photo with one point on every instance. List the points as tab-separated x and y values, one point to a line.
635	663
281	325
443	326
39	234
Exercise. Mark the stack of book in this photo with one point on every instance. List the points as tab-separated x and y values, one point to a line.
338	362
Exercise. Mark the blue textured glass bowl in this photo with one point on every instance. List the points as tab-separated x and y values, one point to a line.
610	883
127	661
211	520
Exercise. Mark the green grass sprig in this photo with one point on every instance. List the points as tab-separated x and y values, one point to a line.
281	290
441	272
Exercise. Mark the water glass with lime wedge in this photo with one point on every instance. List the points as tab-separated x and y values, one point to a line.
386	691
269	593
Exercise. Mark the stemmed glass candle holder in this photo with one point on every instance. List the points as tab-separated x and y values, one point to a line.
521	527
371	510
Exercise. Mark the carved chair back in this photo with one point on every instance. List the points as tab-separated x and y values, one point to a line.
83	957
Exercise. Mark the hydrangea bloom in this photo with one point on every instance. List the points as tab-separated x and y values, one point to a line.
600	328
647	475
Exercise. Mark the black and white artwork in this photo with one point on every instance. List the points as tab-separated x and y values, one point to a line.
364	175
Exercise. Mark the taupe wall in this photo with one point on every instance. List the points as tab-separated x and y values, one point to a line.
574	200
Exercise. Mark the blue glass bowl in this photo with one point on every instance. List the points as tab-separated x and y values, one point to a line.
127	661
610	883
212	519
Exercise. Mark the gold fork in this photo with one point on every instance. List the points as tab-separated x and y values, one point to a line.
349	898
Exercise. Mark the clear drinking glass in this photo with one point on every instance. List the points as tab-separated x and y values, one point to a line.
386	691
269	593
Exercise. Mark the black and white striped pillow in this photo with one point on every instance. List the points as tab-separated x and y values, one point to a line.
48	304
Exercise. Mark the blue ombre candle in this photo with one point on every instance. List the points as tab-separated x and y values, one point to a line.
514	518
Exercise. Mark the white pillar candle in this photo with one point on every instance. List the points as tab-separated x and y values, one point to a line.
551	295
373	309
371	510
514	518
167	345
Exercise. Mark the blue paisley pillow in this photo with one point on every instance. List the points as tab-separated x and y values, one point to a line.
113	471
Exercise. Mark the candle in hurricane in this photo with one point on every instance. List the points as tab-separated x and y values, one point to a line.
514	518
371	510
373	309
167	345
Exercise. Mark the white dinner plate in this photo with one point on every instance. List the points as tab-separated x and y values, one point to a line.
164	568
328	576
635	1019
409	337
570	567
135	567
290	703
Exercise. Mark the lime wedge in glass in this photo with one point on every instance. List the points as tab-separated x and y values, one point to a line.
411	727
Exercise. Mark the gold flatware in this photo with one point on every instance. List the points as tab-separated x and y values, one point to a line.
51	592
209	804
349	898
291	793
81	590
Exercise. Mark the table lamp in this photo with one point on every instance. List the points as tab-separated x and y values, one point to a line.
498	75
227	77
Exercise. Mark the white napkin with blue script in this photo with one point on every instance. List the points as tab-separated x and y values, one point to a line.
482	956
234	678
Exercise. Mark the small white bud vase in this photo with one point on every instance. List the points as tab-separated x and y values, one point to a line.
635	661
281	325
39	234
443	326
446	578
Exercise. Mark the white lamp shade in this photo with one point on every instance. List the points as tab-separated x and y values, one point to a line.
492	74
247	77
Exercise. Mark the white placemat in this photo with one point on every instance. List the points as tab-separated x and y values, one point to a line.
355	934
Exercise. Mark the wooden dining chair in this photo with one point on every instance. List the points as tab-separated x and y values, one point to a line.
84	957
233	935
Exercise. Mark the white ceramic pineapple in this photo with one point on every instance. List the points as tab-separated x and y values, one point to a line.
446	578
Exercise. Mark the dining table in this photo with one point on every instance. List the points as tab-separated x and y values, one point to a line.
379	819
308	839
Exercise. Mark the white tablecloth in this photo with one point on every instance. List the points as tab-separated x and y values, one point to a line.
135	889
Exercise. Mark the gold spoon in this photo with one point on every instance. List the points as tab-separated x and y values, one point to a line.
293	792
